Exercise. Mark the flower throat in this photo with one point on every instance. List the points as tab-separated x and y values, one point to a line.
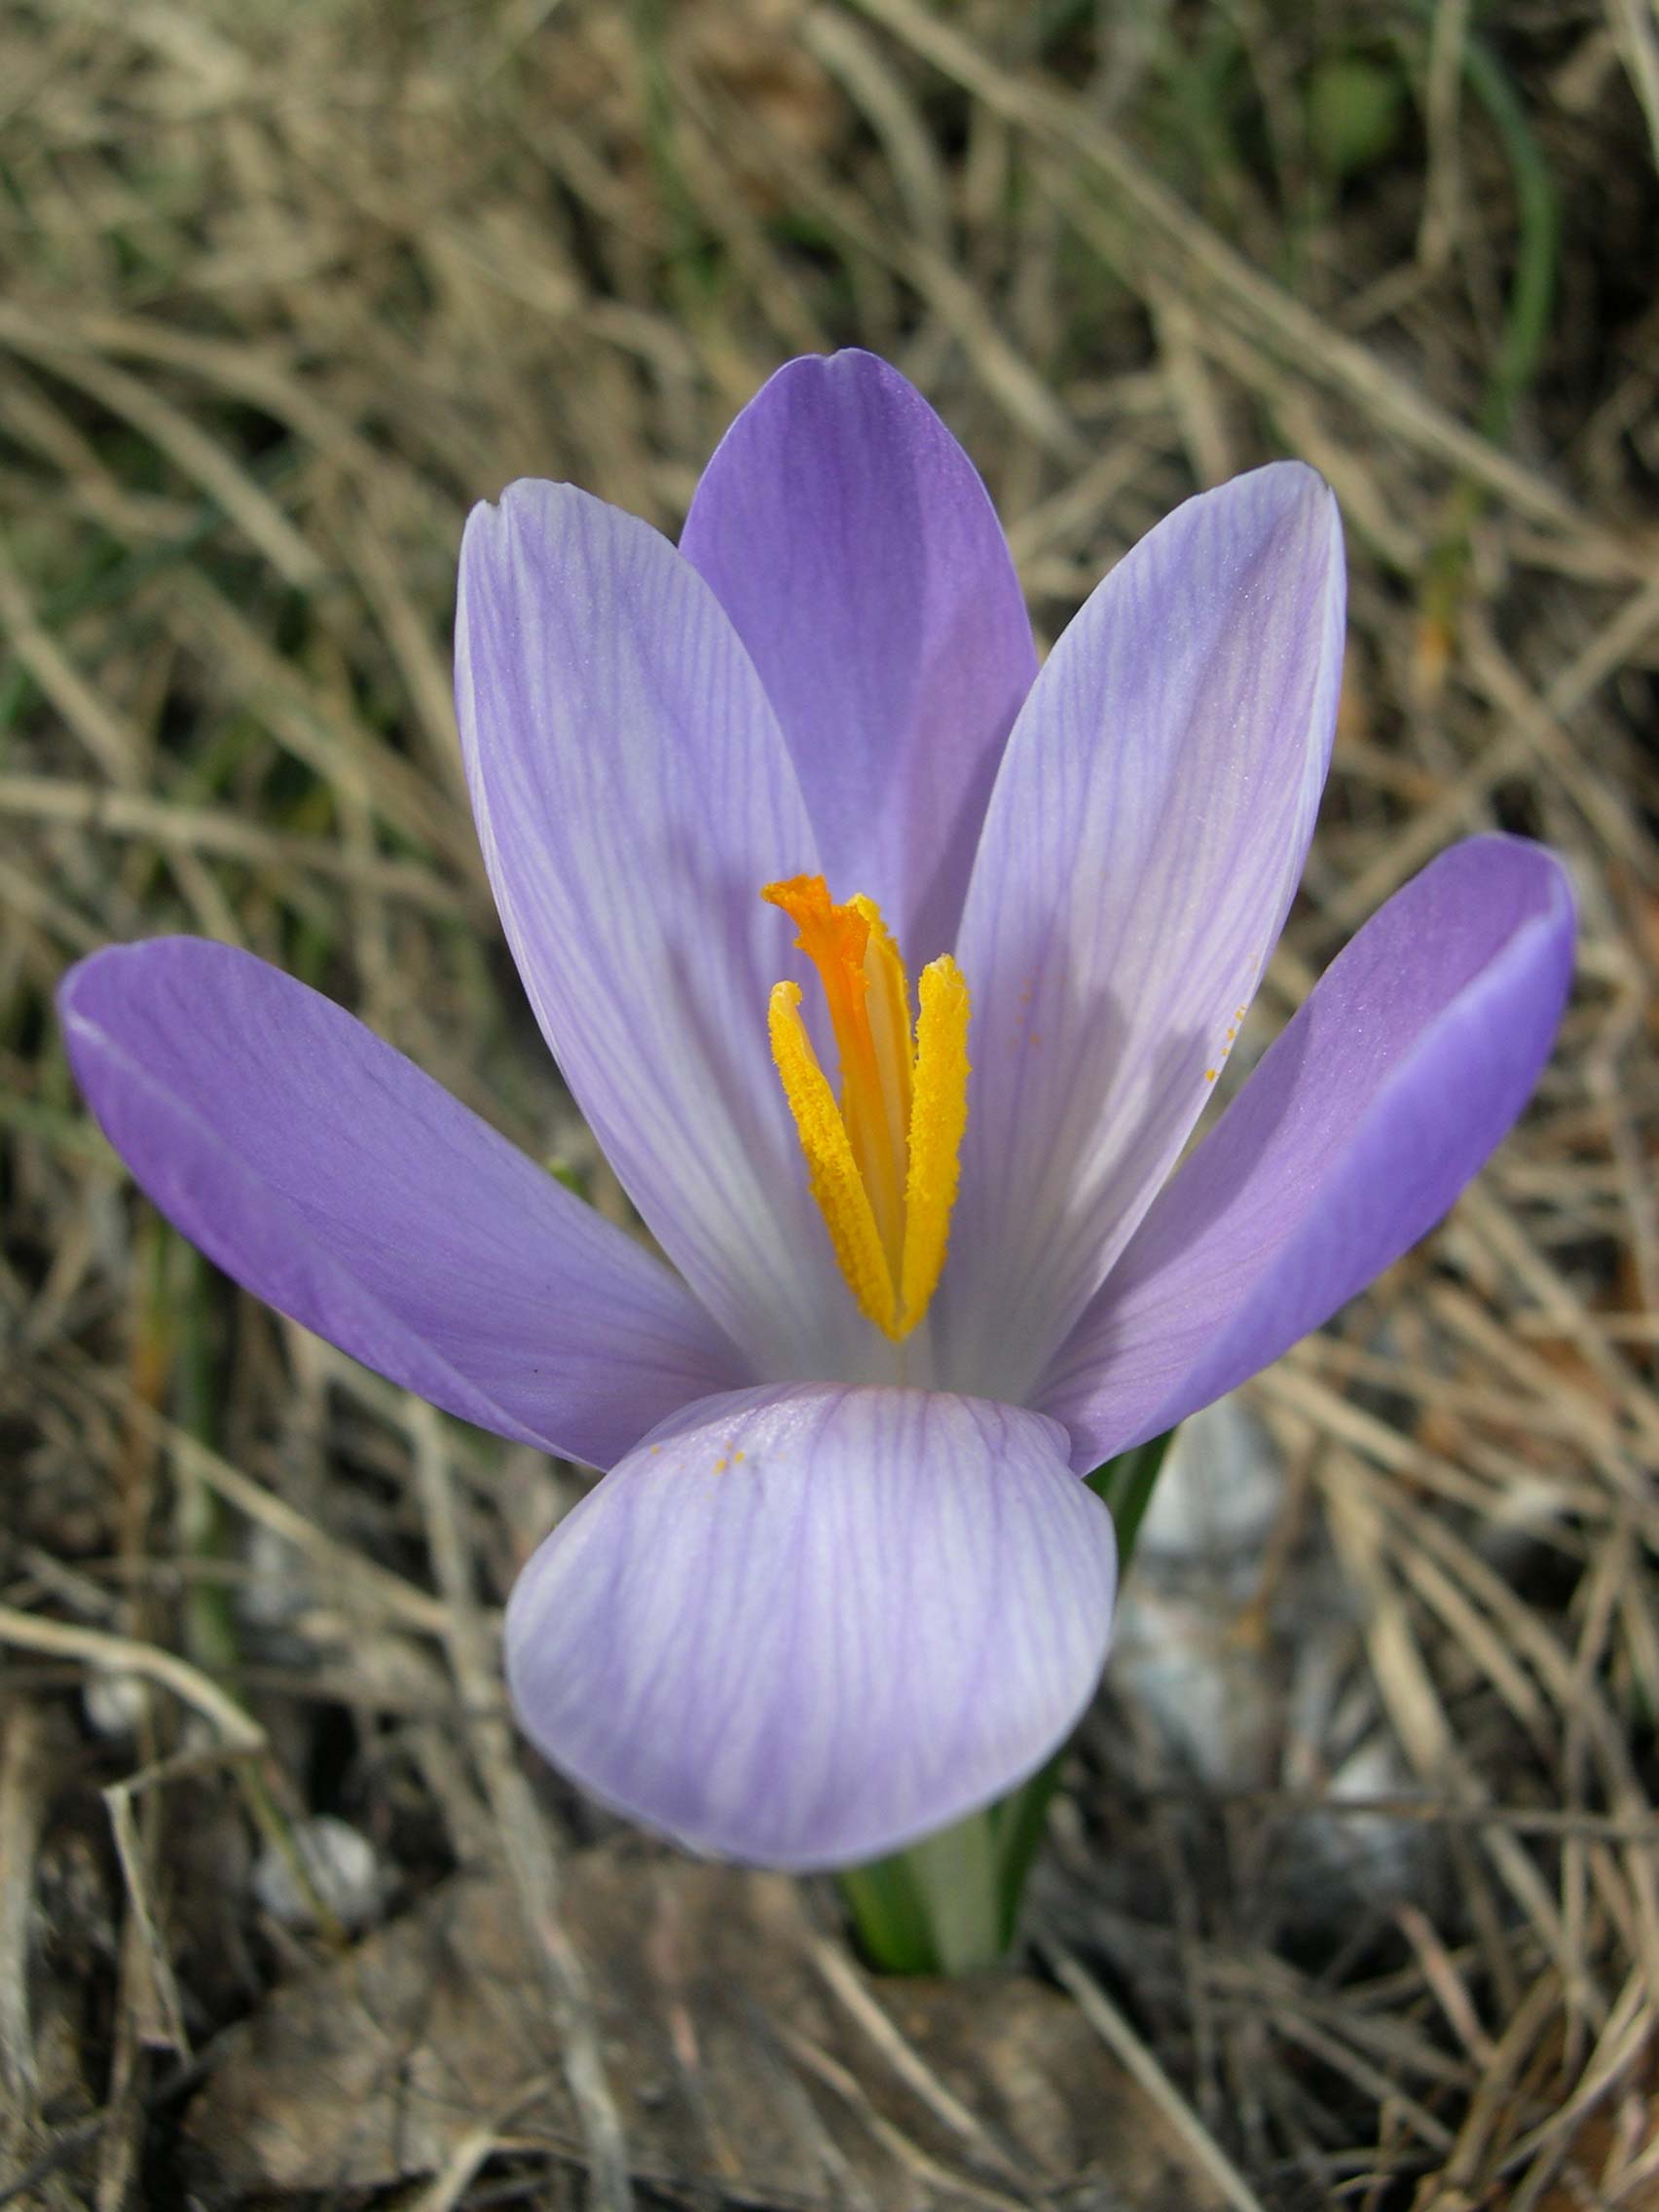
882	1159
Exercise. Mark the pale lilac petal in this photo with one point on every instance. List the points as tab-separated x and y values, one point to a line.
805	1627
632	796
333	1179
1141	851
1396	1081
853	544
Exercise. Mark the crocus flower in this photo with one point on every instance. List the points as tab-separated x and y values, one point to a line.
842	1581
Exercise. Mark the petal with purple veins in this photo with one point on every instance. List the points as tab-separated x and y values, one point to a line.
633	793
851	541
1142	847
1407	1065
805	1627
333	1179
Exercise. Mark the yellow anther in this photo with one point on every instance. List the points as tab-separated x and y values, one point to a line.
881	1161
938	1119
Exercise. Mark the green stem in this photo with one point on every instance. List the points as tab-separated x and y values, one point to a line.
1125	1486
937	1907
210	1629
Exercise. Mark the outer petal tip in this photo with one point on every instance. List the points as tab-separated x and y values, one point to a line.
803	1627
1287	496
496	530
1284	482
847	364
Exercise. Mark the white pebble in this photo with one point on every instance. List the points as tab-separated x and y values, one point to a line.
278	1587
1218	1492
114	1704
344	1869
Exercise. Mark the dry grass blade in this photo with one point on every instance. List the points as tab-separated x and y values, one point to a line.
1120	2037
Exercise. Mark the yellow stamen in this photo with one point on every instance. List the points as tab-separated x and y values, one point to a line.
832	1169
938	1119
882	1162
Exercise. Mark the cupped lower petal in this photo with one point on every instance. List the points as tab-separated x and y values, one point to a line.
1141	850
803	1627
333	1179
1403	1069
853	544
632	795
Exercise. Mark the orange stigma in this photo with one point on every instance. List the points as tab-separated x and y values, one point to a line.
882	1159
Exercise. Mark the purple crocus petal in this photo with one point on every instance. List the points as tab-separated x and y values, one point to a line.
804	1626
1403	1070
1140	853
333	1179
632	796
851	541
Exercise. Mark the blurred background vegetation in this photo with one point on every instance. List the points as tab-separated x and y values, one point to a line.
1352	1893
